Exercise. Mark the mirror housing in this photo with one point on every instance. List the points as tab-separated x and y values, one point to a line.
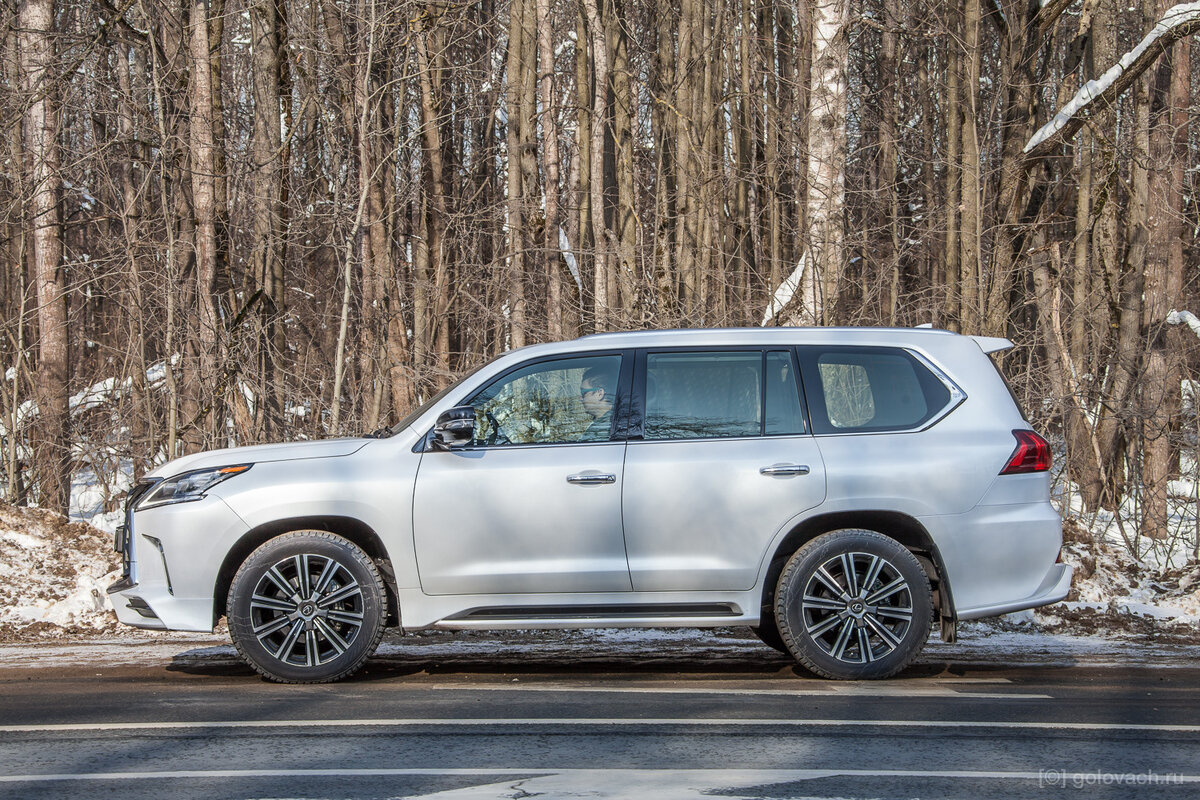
454	428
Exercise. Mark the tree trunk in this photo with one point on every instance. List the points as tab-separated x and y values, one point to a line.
603	277
1168	101
971	222
203	386
827	157
40	126
550	250
267	246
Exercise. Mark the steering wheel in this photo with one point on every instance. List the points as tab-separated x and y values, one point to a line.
496	436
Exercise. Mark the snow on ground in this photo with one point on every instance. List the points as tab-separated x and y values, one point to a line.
53	575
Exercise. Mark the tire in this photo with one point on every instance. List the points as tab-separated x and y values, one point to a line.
307	607
854	604
768	633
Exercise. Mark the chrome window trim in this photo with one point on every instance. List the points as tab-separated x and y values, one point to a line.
957	398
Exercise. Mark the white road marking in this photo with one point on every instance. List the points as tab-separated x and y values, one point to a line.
492	722
785	689
631	783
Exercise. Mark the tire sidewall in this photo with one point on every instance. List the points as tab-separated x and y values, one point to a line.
799	570
326	545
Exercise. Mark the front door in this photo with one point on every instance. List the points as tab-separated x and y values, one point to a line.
534	503
724	464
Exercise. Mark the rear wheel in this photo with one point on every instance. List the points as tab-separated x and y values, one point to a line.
854	604
307	607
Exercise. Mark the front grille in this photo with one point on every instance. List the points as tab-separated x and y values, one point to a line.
123	539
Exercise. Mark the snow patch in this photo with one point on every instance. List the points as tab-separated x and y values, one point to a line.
1173	18
55	573
786	291
1184	318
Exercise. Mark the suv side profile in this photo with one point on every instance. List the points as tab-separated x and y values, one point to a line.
839	490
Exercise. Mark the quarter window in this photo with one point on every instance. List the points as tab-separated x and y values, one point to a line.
870	389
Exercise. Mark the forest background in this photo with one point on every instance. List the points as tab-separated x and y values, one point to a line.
225	222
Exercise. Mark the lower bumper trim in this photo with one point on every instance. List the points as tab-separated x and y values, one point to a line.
1056	586
121	585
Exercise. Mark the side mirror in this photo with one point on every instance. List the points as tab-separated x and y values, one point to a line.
454	428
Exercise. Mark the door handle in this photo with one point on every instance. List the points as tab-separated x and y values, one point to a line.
591	479
784	469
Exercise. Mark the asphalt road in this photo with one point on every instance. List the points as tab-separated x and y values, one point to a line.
571	721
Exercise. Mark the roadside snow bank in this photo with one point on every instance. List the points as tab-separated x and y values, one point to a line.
53	575
1114	593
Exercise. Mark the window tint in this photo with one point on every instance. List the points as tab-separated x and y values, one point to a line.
703	395
871	389
784	415
551	402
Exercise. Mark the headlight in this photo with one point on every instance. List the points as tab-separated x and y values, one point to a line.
189	486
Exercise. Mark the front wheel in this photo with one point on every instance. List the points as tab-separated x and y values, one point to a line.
854	604
307	607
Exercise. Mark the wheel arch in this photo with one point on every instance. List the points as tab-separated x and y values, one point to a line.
905	529
354	530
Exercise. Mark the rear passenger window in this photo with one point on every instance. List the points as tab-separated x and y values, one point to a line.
703	395
870	389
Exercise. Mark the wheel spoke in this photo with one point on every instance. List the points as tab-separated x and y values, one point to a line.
312	655
825	625
339	644
890	639
271	626
843	639
887	591
302	575
285	586
289	643
850	574
864	645
894	613
830	582
350	617
873	572
346	592
326	576
271	604
823	603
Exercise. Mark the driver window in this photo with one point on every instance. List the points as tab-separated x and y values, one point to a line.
552	402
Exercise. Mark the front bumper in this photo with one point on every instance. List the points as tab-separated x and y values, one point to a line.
172	556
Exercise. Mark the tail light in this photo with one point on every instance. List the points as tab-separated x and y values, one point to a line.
1032	454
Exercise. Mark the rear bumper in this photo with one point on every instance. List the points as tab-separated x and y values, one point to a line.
1054	587
1001	558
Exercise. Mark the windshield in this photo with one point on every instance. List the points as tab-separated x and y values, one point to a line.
421	409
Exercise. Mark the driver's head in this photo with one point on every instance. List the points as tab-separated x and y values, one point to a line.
597	388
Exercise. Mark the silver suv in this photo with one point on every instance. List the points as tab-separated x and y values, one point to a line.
838	490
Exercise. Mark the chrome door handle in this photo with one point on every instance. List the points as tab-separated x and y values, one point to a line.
588	480
784	469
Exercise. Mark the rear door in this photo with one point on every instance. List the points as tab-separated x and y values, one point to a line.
719	461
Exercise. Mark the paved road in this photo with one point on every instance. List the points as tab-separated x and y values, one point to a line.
477	722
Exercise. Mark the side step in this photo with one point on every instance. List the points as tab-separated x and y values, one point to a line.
589	612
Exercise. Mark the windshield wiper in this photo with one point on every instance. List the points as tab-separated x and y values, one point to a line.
381	433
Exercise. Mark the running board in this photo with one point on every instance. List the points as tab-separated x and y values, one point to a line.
597	612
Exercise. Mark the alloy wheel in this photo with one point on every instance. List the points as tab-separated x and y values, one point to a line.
307	610
857	607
